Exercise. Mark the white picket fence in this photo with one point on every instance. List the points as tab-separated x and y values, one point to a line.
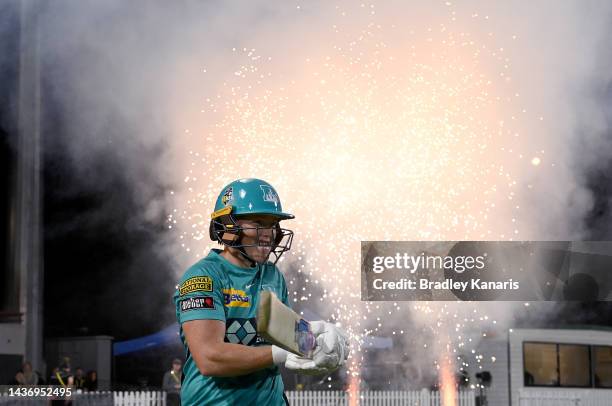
101	398
377	398
530	397
565	397
139	398
296	398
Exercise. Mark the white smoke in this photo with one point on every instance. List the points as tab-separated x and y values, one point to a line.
134	76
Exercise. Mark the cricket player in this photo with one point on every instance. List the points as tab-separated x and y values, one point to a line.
227	363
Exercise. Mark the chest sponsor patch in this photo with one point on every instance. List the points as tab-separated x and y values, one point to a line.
236	298
196	303
242	331
196	284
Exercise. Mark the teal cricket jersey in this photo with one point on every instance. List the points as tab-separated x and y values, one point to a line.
215	289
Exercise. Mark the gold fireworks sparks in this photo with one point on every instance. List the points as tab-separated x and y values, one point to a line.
384	133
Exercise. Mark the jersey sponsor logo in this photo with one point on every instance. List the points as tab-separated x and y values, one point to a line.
236	298
227	195
196	303
241	331
268	194
196	284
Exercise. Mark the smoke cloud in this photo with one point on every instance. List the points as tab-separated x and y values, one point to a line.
178	99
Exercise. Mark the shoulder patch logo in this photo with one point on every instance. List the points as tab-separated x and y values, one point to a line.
227	195
196	284
236	298
269	195
196	303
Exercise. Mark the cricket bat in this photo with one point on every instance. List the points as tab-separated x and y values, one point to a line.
281	326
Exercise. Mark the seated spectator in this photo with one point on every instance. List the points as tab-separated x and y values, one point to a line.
62	375
29	376
91	381
79	379
19	379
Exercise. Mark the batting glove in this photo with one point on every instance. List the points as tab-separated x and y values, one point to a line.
332	348
295	363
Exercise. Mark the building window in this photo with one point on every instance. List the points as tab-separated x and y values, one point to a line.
541	364
567	365
602	366
574	365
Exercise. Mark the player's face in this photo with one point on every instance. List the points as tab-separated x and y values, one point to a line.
258	235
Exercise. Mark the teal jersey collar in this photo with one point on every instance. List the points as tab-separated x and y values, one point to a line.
215	254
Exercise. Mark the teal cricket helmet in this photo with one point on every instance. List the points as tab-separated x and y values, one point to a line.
251	196
243	197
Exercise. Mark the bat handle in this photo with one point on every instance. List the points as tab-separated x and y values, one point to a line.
306	343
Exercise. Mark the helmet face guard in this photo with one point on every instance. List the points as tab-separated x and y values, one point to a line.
224	229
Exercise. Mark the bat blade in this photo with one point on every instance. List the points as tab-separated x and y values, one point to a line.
281	326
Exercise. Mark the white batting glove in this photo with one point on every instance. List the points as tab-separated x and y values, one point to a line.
296	363
332	348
